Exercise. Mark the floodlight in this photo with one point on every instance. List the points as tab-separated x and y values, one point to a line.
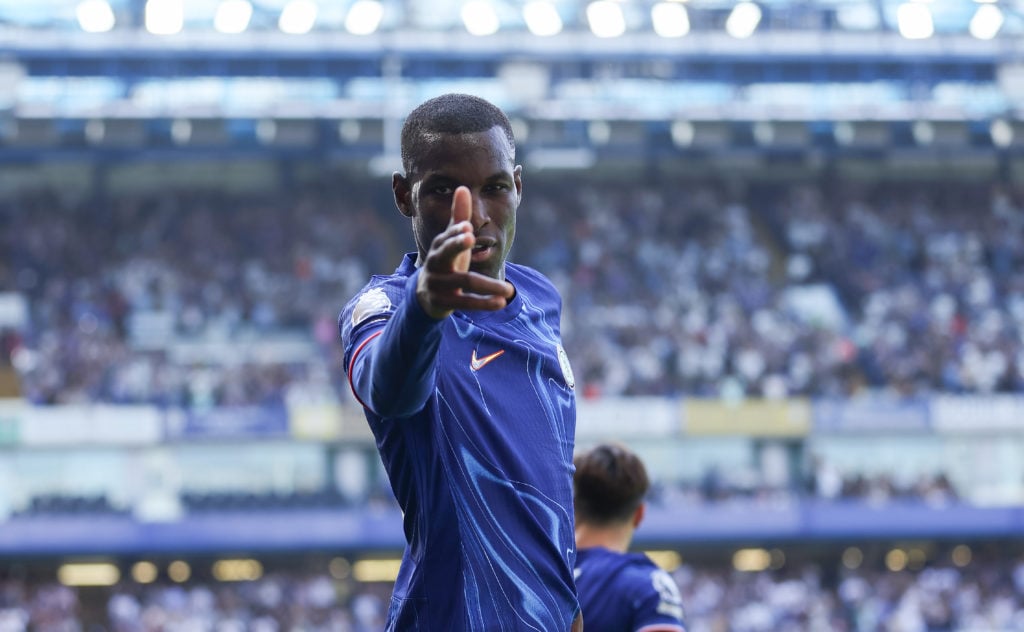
364	17
542	18
95	16
144	572
896	560
962	555
298	17
164	17
853	558
987	21
376	570
915	21
480	18
240	570
88	574
179	571
670	19
340	568
232	16
743	20
668	560
751	560
606	19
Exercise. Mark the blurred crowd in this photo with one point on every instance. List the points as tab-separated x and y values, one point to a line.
985	596
826	481
672	290
933	278
936	596
823	482
118	288
278	602
201	299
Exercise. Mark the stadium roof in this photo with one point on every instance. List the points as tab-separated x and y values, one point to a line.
914	19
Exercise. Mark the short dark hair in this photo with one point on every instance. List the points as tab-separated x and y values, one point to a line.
450	114
609	484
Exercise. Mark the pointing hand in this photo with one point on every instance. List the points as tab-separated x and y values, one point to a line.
446	283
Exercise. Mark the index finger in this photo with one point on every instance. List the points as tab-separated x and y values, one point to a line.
462	205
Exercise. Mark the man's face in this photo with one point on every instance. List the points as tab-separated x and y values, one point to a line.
481	161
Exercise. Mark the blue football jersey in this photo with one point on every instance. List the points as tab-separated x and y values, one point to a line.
482	470
626	592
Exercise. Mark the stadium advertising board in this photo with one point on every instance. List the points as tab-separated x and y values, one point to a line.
871	414
270	531
97	424
626	417
972	414
321	421
233	422
382	529
750	417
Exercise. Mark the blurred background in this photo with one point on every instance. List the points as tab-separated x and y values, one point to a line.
789	235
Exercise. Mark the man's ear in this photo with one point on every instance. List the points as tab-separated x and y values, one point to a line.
403	194
638	515
517	176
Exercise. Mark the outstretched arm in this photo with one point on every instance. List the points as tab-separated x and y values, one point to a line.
392	370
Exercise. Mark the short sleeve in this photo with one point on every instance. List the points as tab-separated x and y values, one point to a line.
658	603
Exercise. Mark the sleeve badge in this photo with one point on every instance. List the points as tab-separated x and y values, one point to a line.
372	303
563	361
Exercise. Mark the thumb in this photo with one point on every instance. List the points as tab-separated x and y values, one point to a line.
462	205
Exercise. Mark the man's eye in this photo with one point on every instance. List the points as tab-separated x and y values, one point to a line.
443	190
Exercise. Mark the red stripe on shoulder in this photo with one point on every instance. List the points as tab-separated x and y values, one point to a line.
352	364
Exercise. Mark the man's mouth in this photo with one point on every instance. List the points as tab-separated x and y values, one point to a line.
482	249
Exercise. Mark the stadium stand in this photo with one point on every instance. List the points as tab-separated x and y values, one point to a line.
670	290
791	304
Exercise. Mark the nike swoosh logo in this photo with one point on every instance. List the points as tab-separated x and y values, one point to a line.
478	363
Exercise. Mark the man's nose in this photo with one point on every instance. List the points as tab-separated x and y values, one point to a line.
480	216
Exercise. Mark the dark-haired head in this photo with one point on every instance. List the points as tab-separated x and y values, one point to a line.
449	114
609	485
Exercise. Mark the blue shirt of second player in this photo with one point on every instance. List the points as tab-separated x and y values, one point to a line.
626	592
